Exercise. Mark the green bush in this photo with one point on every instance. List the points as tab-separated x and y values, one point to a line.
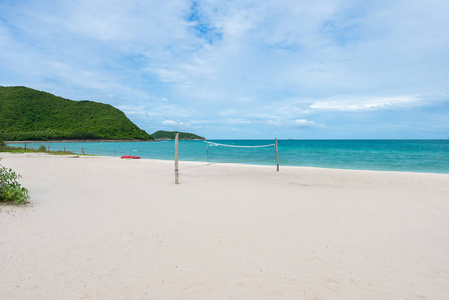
42	148
10	188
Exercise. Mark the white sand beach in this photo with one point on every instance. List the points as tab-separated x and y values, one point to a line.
106	228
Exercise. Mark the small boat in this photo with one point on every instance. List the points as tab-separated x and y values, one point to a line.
130	157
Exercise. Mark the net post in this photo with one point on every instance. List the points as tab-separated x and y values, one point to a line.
277	155
176	159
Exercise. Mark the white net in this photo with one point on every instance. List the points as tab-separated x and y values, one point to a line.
238	153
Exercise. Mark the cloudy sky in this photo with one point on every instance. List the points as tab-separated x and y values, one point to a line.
326	69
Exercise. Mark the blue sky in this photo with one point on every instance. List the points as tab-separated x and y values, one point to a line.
324	69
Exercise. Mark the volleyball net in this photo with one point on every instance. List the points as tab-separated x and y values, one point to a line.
265	154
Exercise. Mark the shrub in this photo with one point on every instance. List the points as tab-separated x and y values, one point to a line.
42	148
10	188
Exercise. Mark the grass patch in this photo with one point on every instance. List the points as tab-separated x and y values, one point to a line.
41	149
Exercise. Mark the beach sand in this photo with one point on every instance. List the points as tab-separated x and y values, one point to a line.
105	228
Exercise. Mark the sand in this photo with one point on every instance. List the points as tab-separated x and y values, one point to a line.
105	228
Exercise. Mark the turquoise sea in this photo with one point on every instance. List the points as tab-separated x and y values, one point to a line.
428	156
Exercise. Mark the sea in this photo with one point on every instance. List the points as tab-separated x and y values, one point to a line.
425	156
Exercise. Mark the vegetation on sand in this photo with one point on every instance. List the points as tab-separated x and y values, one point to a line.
10	189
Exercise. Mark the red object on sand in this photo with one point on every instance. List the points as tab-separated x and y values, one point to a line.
130	156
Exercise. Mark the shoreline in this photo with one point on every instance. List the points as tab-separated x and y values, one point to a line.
239	164
109	228
420	157
77	141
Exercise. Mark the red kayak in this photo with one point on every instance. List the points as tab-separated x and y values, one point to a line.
130	156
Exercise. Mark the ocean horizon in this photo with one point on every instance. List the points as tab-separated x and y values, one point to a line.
403	155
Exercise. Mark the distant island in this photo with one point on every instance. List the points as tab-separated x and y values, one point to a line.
170	135
27	114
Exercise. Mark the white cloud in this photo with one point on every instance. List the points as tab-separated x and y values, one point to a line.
297	123
239	121
172	123
170	76
274	122
373	103
306	123
227	112
201	122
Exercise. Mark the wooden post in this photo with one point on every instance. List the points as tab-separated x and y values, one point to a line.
64	149
176	160
277	155
25	146
48	147
115	153
82	150
101	150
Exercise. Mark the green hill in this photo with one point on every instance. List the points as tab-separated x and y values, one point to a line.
27	114
170	135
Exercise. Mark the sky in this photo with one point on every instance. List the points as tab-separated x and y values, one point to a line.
243	69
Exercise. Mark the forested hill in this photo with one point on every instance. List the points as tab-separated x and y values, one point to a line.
27	114
170	135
